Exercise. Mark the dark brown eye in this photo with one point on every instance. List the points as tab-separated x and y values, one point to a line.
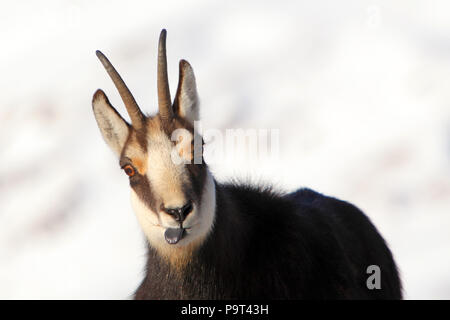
129	170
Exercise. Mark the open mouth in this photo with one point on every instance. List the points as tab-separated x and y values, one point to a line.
174	235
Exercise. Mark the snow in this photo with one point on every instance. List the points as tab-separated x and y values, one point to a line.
357	89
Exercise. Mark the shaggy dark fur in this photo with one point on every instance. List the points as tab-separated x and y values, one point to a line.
270	246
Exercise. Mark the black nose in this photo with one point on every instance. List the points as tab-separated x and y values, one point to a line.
179	213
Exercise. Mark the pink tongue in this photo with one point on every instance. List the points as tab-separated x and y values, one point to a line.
173	235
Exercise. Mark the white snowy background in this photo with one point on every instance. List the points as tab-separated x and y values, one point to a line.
358	89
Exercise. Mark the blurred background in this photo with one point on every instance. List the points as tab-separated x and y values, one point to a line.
359	91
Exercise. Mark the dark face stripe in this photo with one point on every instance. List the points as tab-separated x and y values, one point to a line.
197	177
141	186
141	137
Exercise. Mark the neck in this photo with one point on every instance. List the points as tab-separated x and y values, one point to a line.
215	258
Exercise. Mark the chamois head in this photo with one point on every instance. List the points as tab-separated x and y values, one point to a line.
172	195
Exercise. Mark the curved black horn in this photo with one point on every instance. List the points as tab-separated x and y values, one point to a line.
164	101
136	115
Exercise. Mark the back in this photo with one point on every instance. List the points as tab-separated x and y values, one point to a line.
361	243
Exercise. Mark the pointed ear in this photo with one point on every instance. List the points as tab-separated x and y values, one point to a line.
113	127
186	104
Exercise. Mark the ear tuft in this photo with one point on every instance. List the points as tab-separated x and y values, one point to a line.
99	95
113	127
186	103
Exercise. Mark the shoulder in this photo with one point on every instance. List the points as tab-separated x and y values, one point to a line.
261	197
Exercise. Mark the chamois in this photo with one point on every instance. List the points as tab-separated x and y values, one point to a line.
211	240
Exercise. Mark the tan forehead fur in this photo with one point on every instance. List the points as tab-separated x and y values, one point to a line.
133	148
136	153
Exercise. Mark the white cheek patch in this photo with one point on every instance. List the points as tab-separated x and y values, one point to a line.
202	218
148	220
